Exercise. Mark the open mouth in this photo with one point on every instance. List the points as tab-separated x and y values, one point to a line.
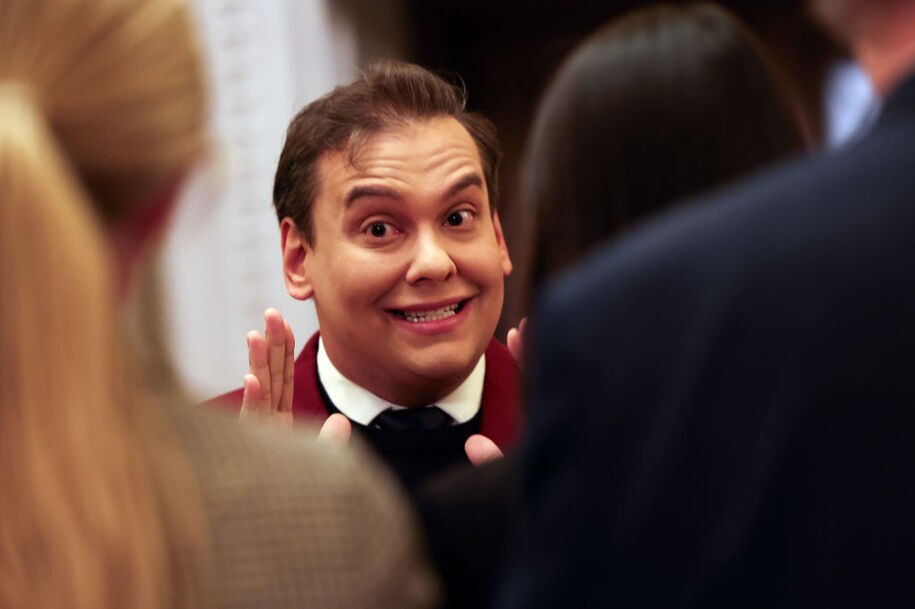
417	317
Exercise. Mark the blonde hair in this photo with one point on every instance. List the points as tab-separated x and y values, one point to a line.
101	109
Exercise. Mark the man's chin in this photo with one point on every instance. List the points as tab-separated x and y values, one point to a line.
443	365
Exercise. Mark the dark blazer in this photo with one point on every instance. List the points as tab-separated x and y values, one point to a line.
469	518
723	408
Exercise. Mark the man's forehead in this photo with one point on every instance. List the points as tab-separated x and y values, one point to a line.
446	131
439	146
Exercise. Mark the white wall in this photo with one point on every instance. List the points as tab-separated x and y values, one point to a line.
221	264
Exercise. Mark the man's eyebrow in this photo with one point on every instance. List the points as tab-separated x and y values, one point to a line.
471	179
359	192
370	191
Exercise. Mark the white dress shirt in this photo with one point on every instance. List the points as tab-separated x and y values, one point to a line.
361	405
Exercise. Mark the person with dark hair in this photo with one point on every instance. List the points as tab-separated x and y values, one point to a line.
659	104
721	401
386	197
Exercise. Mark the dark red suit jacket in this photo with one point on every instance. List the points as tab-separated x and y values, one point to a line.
501	411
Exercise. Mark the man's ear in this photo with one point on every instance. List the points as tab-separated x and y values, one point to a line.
503	249
296	251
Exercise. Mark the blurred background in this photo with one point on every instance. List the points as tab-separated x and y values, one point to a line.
267	58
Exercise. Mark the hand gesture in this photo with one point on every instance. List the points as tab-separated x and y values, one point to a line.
515	340
271	360
337	429
481	449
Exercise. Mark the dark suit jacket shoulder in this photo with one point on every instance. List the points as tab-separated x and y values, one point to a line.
469	516
722	401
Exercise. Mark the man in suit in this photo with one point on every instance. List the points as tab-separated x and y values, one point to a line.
722	403
385	193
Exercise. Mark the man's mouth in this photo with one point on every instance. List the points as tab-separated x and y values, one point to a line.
430	315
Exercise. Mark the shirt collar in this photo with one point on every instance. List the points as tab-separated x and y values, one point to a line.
361	405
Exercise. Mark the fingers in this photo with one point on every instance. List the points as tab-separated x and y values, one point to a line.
259	368
336	428
251	397
515	341
481	449
285	404
271	362
253	408
275	331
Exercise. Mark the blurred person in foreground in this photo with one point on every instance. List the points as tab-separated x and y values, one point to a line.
721	403
116	494
386	195
660	104
657	105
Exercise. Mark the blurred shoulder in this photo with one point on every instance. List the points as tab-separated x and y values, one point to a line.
711	240
297	522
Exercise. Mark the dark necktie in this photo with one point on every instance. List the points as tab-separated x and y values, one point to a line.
423	418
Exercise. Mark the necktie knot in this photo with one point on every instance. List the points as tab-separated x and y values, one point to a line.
421	418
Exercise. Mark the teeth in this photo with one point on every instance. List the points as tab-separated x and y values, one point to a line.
434	315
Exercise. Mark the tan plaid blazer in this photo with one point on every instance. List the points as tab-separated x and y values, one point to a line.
297	523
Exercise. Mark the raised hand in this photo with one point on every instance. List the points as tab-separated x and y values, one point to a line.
515	340
481	449
269	382
336	429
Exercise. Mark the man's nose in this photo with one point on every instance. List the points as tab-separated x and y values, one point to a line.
431	260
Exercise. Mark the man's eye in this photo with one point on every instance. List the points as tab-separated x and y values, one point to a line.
459	218
379	229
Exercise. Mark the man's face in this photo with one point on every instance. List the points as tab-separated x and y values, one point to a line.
407	264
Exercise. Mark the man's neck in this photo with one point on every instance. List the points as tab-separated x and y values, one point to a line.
362	404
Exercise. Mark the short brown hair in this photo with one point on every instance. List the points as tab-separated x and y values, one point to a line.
389	94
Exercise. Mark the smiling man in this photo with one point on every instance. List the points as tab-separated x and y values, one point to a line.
385	193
